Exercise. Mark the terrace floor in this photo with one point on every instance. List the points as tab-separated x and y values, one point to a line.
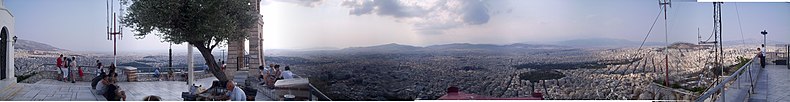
773	85
53	90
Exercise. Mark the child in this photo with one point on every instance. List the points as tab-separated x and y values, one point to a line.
79	69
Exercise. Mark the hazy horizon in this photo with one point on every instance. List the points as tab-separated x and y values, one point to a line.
79	25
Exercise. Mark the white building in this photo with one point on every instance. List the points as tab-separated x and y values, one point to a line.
6	46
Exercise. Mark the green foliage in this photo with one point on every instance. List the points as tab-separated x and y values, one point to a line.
193	21
21	78
202	23
675	85
741	62
698	89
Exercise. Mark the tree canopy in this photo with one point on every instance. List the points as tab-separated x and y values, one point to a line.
202	23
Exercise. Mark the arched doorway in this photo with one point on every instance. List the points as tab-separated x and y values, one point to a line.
3	52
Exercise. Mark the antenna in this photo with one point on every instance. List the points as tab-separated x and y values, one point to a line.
116	33
664	4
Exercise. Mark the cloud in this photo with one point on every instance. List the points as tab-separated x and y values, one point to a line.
427	16
306	3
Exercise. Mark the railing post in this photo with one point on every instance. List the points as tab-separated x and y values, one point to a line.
723	93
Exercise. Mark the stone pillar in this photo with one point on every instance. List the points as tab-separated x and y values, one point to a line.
7	26
190	66
256	43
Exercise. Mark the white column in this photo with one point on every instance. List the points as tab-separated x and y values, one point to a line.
190	66
10	56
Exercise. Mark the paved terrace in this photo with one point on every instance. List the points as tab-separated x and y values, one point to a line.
53	90
771	84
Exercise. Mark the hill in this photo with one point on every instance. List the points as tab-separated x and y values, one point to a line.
23	44
605	42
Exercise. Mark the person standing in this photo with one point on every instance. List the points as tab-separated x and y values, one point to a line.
59	65
73	65
762	57
66	69
79	70
222	65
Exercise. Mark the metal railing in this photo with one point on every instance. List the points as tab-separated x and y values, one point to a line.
320	95
719	90
315	92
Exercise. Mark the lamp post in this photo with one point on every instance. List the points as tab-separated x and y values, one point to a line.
765	33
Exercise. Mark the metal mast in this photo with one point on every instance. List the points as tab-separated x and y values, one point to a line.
115	33
664	4
717	33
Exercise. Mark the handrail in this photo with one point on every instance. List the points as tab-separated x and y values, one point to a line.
321	95
722	84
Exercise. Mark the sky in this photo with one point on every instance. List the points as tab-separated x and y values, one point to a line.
303	24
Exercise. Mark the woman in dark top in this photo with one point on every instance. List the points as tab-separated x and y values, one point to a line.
113	92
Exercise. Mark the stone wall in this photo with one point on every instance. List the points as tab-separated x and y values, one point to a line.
89	75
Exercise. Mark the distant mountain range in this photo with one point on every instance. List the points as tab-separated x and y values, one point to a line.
752	42
33	45
399	48
606	42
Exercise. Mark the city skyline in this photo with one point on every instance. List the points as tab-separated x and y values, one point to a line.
342	24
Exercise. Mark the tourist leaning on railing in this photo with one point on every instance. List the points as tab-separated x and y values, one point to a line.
60	65
761	54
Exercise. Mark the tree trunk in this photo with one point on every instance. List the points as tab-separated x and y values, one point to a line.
210	62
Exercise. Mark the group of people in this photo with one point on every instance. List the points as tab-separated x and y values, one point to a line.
105	83
273	73
108	86
66	67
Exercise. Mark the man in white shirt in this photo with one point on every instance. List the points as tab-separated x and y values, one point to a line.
287	74
761	55
235	93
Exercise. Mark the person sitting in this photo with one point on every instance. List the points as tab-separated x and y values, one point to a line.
170	74
261	74
97	80
235	93
152	98
113	92
99	67
272	75
156	73
287	74
101	87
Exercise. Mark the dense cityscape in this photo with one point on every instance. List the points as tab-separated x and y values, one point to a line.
390	72
403	72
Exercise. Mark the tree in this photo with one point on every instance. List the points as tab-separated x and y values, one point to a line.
202	23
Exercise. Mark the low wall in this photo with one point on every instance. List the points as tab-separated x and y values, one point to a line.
89	74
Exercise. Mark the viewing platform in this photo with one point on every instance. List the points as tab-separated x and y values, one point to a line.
754	84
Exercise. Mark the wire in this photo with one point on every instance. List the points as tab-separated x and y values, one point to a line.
737	12
651	28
